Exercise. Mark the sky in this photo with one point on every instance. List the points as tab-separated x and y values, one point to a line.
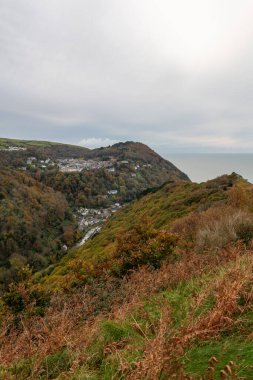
176	75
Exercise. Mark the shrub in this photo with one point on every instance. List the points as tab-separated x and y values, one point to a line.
245	231
22	298
229	226
22	369
143	245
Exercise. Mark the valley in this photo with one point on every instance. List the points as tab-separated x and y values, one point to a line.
90	221
89	185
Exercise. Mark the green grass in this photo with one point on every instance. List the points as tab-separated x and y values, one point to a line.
5	143
102	363
177	299
51	368
225	350
232	345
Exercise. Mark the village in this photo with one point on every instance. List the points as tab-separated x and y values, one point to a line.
69	165
72	165
77	165
90	220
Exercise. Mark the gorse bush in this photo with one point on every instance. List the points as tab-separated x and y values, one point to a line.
143	245
23	298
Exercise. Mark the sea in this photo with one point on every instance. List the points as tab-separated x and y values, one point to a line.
202	167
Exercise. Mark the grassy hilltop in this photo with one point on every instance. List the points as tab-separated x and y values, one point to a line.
5	143
37	148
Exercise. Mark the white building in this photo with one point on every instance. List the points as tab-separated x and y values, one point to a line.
112	192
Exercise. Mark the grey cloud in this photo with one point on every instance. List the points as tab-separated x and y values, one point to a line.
175	76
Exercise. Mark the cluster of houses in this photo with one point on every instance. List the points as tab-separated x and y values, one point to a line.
87	217
40	163
69	165
90	217
90	220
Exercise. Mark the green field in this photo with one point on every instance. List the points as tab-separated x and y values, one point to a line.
5	143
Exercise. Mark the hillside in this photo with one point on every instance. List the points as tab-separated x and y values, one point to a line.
158	209
164	291
27	234
92	178
126	181
133	151
35	222
38	146
5	143
15	152
12	150
137	152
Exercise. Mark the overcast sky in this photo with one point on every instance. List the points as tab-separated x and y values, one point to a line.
175	74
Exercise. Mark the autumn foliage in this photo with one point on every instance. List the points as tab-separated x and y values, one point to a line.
35	222
168	301
144	245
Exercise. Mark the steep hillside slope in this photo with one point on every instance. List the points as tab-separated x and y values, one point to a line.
158	209
139	153
163	292
33	219
133	168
